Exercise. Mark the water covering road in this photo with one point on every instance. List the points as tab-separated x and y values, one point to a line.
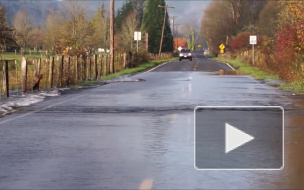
139	135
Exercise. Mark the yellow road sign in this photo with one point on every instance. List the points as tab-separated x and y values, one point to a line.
221	51
199	46
222	46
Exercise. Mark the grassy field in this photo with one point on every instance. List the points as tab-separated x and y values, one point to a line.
12	56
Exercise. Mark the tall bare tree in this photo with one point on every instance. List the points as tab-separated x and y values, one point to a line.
23	25
53	32
128	28
215	29
190	34
77	29
36	39
100	38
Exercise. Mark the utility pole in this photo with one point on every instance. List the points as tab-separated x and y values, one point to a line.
162	35
112	36
177	34
173	34
147	41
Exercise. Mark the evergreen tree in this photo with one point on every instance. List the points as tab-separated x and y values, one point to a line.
152	23
6	33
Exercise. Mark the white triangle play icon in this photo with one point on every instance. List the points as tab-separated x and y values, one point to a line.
235	138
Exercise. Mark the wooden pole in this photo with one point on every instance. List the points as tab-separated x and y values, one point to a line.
108	59
51	71
124	60
101	67
84	68
95	67
39	66
61	71
112	36
163	29
77	70
24	74
5	80
68	71
17	88
90	68
147	41
81	68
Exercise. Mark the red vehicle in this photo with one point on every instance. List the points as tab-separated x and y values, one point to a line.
185	54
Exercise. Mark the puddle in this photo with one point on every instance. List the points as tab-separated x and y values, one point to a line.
11	104
125	79
223	72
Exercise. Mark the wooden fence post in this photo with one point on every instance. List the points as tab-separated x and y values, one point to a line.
5	80
68	72
108	61
61	71
124	60
84	71
17	88
90	68
81	68
101	68
95	67
39	66
24	74
51	71
104	65
77	71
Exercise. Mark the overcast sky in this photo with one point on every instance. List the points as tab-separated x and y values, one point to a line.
187	10
184	9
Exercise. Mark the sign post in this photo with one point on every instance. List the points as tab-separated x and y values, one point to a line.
253	41
137	37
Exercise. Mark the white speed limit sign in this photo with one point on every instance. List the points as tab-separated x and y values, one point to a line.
253	40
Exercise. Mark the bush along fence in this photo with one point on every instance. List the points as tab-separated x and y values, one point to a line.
62	71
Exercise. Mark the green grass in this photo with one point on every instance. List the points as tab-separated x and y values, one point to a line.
142	67
297	86
245	69
210	55
242	68
12	56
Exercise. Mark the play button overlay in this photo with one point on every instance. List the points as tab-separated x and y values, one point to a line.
235	138
239	138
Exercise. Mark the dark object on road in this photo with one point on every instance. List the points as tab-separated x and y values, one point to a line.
141	80
36	82
185	54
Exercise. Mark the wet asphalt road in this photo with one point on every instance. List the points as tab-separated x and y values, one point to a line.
139	135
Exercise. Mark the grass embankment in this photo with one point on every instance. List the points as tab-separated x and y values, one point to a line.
242	68
140	68
245	69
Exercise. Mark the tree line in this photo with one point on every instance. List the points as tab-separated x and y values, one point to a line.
277	24
68	29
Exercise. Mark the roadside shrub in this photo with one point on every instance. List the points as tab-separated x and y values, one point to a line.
241	41
139	58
